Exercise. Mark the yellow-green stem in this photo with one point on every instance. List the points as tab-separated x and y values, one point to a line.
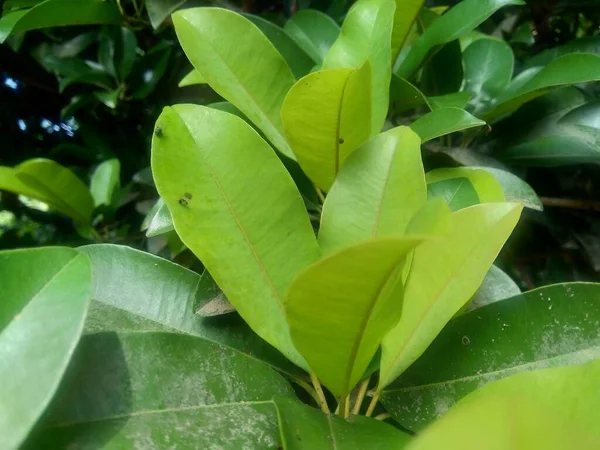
320	394
382	416
360	396
372	405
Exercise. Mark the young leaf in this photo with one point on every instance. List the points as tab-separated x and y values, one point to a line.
314	31
378	190
457	22
154	389
303	428
405	15
45	295
444	121
366	35
443	277
236	207
489	66
295	55
105	185
340	308
132	286
496	286
568	69
55	13
325	117
550	409
219	43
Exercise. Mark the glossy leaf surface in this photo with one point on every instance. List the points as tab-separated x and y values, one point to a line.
404	17
45	295
514	188
496	286
105	185
158	221
254	238
314	31
444	276
380	187
443	121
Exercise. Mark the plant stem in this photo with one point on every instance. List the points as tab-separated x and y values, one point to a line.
361	396
583	205
308	388
382	416
372	405
320	194
347	407
342	406
320	394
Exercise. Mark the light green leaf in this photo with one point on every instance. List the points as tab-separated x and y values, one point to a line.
50	183
456	100
444	121
550	409
366	35
589	44
314	31
340	308
45	295
458	193
433	218
326	115
568	69
405	15
443	277
158	221
236	207
496	286
156	390
105	186
193	77
303	428
296	56
130	286
56	13
378	190
514	188
489	67
455	23
486	186
219	43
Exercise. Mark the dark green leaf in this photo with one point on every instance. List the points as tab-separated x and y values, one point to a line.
159	10
314	31
148	71
443	121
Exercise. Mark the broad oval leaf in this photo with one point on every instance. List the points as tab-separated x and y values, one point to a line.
380	187
444	121
366	35
547	327
236	207
455	23
55	13
219	43
589	44
405	16
489	67
105	185
314	31
155	389
303	428
325	117
444	275
340	308
549	409
45	295
148	288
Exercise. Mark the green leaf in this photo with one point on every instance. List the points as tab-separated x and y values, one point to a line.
568	69
45	295
340	308
298	59
404	95
149	70
253	237
105	185
456	100
583	45
158	221
56	13
527	332
380	187
587	114
314	31
153	389
458	193
444	275
444	121
50	183
326	116
213	302
366	35
116	51
219	43
515	189
159	10
303	428
455	23
489	67
133	286
405	15
443	73
496	286
193	77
